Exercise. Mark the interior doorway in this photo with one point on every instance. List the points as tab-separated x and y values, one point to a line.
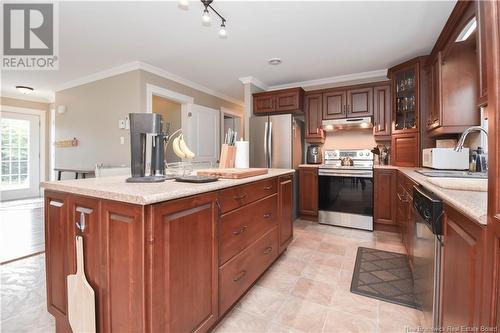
20	155
170	112
231	119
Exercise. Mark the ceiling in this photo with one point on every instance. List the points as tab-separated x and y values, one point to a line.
314	40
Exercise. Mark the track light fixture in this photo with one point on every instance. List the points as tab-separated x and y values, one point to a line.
205	18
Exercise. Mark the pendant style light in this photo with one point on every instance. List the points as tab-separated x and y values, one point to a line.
205	18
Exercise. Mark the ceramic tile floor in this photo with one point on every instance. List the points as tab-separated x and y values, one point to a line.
306	290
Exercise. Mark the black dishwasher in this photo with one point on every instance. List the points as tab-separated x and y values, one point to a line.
427	246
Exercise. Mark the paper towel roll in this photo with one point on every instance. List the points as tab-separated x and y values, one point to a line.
242	154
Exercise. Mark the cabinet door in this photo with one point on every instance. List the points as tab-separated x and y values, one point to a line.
384	182
184	264
461	271
434	112
89	207
382	111
360	102
57	242
264	103
406	149
289	100
308	192
334	104
313	110
123	236
481	53
285	193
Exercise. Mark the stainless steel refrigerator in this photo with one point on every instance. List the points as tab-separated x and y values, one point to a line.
277	142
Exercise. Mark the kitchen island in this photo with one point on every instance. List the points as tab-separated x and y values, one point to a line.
164	257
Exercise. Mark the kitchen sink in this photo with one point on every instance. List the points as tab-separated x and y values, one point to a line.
453	174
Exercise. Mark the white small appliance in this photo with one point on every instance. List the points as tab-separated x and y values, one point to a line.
445	158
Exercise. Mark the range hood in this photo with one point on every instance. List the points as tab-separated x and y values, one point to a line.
347	123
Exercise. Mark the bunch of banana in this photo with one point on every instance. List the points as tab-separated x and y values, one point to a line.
181	149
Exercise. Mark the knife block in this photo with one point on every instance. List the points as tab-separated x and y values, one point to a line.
227	156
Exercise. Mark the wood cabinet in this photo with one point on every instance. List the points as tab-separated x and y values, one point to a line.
384	186
174	266
456	82
406	149
481	53
285	208
313	114
360	102
57	243
238	274
308	193
348	103
409	106
184	291
122	244
461	271
382	112
279	101
334	104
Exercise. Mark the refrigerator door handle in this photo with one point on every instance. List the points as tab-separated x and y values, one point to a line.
270	145
265	142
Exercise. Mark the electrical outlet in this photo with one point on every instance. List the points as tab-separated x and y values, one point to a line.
122	124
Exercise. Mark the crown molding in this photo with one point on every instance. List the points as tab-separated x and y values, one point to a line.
363	77
138	65
173	77
30	98
253	80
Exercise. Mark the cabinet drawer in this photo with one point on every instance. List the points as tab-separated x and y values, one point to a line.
238	274
243	226
238	196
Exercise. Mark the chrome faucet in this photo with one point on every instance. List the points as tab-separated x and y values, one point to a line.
461	141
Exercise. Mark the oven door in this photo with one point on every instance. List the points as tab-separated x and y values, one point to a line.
346	198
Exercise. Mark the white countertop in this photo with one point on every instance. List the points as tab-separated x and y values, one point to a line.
472	204
115	188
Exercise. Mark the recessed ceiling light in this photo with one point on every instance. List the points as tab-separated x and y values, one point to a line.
274	61
25	90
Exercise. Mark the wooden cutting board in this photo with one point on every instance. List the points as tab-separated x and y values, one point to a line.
81	299
232	173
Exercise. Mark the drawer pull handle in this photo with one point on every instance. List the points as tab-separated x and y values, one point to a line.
240	197
268	187
240	276
240	231
268	250
268	215
402	199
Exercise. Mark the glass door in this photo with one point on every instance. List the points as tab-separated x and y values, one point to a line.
20	156
406	100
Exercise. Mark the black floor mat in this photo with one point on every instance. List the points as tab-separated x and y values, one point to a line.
383	275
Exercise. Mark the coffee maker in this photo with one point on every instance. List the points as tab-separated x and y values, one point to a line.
143	125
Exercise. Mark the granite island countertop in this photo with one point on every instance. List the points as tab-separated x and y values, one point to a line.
115	188
472	204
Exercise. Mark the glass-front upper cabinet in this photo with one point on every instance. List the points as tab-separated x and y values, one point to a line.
406	116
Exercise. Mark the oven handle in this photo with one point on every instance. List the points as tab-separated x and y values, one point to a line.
337	174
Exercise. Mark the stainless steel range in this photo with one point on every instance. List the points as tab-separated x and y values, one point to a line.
346	188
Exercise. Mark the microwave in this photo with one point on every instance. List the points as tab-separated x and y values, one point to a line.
445	158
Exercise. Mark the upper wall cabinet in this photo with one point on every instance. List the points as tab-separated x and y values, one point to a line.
456	84
347	103
481	54
314	106
409	105
279	101
382	112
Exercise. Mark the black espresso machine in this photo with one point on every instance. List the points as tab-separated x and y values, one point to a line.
142	126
